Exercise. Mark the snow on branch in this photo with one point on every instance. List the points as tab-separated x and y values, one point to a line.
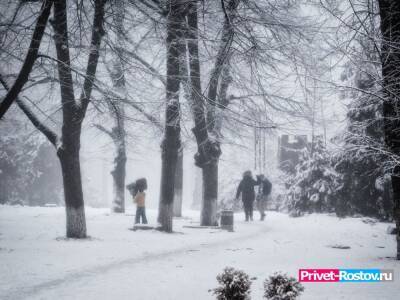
50	134
30	59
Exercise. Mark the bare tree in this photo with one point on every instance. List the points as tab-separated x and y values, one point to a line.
117	109
73	111
171	141
206	110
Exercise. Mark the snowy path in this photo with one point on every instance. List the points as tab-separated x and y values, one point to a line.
112	271
120	264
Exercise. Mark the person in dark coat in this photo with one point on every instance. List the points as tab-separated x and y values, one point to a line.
263	194
246	188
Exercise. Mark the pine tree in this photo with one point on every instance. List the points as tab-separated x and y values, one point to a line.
363	186
312	185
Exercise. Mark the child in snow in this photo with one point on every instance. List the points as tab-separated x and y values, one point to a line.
140	199
136	189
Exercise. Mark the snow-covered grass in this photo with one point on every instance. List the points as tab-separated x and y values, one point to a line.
36	262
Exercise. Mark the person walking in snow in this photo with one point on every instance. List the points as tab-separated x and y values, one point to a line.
263	192
246	188
139	198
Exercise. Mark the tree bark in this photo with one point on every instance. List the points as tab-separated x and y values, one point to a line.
208	122
69	106
93	59
171	142
210	194
74	205
221	60
198	190
390	58
30	59
210	169
68	153
207	151
74	113
118	175
178	185
118	112
197	99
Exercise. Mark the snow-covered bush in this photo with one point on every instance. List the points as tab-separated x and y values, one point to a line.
363	188
234	285
18	149
314	181
282	287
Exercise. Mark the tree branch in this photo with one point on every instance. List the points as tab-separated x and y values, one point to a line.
98	86
50	134
30	59
147	65
59	23
97	34
103	129
222	59
148	116
156	6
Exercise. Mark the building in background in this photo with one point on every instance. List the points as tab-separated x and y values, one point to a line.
289	150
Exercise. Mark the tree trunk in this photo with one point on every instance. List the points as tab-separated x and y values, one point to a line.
74	113
396	200
118	175
178	185
74	206
68	153
118	112
210	170
210	194
165	216
171	142
168	168
208	151
390	57
198	189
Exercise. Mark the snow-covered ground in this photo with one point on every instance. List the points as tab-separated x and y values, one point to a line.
36	262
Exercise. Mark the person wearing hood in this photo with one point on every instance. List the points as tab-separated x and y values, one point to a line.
246	188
